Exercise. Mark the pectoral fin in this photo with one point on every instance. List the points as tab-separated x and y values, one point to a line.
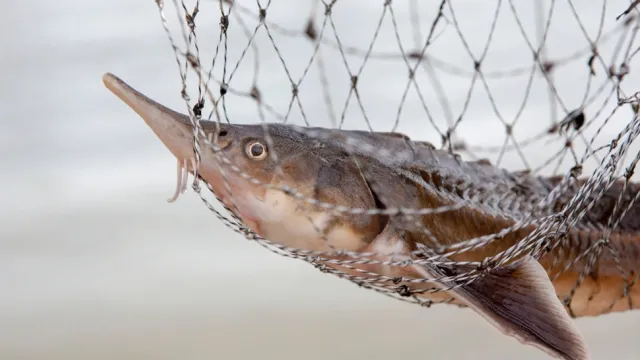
519	299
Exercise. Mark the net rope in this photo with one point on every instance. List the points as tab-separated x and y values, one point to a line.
547	76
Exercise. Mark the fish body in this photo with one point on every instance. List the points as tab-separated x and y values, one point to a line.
252	164
495	199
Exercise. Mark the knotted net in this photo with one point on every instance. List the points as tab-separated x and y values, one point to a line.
546	77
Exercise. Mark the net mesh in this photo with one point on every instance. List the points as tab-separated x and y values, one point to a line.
543	77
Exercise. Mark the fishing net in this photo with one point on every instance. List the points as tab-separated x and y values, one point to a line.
544	88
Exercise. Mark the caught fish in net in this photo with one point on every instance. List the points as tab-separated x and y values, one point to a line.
467	153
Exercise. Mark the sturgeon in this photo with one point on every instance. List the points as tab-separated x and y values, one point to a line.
520	298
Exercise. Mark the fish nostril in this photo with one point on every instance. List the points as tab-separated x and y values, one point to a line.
222	133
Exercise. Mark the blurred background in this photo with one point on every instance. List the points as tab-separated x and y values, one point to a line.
95	264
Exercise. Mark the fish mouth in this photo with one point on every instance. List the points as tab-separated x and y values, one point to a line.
175	130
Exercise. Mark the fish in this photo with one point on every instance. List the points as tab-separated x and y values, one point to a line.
266	173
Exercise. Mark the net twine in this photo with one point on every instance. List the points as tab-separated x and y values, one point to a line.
601	105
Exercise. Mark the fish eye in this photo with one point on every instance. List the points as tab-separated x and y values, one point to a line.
256	150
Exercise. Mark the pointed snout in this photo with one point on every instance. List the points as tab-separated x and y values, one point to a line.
172	128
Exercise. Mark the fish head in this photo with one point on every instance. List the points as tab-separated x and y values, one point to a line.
284	185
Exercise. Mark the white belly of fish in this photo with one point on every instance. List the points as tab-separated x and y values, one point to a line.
283	220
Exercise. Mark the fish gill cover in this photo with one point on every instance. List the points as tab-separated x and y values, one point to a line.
520	118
